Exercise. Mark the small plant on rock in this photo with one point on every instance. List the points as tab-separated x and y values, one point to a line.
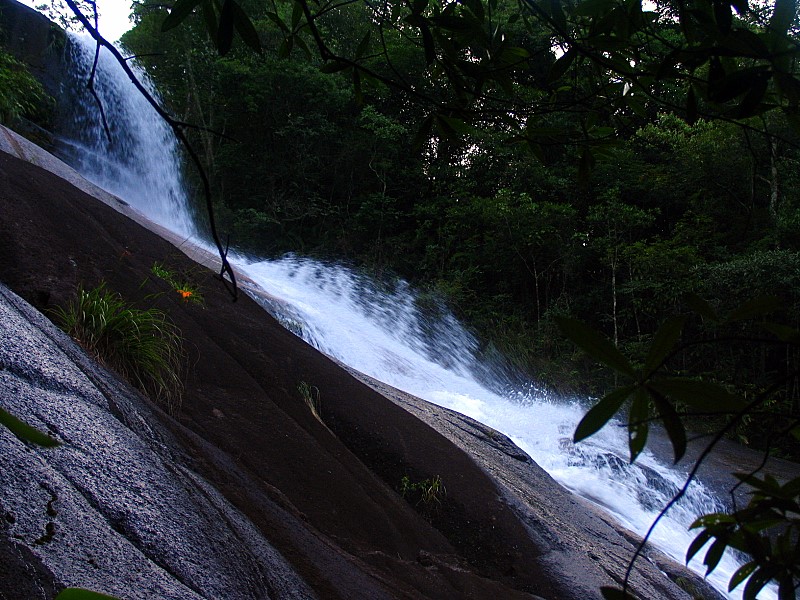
188	291
428	493
310	395
141	345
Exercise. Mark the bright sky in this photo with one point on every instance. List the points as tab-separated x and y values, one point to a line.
113	16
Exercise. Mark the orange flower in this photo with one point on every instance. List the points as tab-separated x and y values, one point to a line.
185	294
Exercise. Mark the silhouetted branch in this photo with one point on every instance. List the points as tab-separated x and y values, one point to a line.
177	128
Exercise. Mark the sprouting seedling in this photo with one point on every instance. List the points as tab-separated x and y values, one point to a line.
185	289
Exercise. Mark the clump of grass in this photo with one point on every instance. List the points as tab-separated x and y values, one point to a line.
141	345
310	395
188	291
429	492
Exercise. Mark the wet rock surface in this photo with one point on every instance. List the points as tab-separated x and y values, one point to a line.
577	541
246	452
113	508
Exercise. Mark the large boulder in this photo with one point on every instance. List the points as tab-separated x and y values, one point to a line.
115	508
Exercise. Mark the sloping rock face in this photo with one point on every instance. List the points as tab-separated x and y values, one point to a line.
324	495
115	507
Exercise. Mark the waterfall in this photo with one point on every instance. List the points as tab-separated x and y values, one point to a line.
384	334
139	161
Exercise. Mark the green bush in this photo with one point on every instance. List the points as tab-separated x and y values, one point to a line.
21	95
141	345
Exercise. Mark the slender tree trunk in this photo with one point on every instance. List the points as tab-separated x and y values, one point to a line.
538	302
774	191
614	298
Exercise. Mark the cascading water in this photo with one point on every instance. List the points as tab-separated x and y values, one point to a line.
383	334
139	161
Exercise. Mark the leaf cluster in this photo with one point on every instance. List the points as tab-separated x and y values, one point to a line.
21	94
767	529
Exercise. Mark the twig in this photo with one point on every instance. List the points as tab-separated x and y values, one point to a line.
178	129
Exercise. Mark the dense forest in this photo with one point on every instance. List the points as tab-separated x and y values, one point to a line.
510	231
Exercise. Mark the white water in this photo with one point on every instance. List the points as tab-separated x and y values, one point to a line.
382	334
139	163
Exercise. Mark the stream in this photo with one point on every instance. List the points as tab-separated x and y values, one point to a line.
381	330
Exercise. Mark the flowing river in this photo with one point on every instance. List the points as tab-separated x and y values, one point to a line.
382	332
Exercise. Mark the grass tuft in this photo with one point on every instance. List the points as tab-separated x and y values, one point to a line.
141	345
429	492
310	395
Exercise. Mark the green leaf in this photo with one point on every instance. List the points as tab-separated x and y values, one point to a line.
663	342
672	423
704	396
697	544
246	29
714	555
637	423
557	14
457	127
25	432
81	594
419	5
428	43
585	165
602	412
741	6
210	18
180	10
594	8
275	18
363	46
712	520
701	307
610	593
595	344
782	17
783	332
422	135
225	29
334	66
297	14
357	93
691	105
758	580
757	307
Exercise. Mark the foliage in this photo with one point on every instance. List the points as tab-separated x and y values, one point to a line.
188	291
58	12
81	594
766	530
310	395
541	163
25	432
141	345
21	94
429	492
